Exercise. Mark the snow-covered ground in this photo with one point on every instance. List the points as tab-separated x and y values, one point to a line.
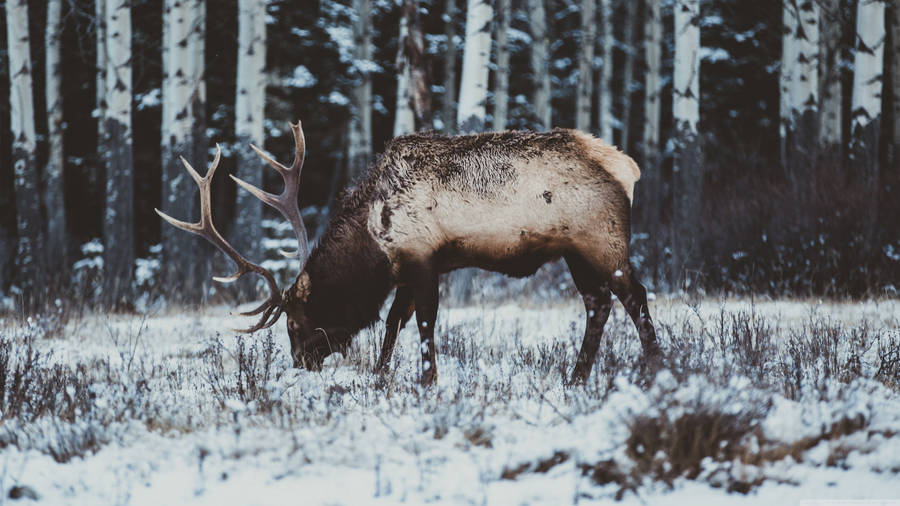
769	402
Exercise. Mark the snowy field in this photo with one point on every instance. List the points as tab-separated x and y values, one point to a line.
760	403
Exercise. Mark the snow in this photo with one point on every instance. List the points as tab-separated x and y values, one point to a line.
302	78
174	429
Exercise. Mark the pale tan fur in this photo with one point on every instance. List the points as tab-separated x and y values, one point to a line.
621	166
556	201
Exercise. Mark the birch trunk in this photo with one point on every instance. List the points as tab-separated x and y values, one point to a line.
649	193
830	117
501	75
118	219
799	87
182	118
419	75
30	255
687	170
865	126
404	120
249	121
540	64
470	117
895	33
652	85
57	243
867	88
585	89
359	143
448	114
100	111
604	99
628	70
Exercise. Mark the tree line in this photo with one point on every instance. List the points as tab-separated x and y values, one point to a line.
728	107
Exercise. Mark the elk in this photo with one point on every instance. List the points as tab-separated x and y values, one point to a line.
507	201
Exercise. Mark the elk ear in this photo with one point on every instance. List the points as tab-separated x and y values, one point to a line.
302	287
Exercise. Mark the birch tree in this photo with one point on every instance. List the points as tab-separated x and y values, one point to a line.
628	70
249	121
448	113
118	220
359	142
183	98
687	161
867	87
585	89
471	115
867	81
417	61
604	99
865	126
540	63
57	243
31	250
404	120
649	192
895	27
799	85
100	110
501	75
830	116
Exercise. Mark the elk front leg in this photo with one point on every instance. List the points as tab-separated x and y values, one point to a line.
400	313
424	285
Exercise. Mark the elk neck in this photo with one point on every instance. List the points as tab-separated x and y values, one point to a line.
349	274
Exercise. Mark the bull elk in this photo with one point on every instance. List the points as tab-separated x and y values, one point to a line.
507	201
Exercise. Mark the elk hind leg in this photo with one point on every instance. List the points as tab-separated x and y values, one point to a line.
401	311
633	295
597	303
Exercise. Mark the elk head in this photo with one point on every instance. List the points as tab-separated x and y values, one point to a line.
306	349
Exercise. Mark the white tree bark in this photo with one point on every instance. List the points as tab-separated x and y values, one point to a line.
100	111
895	26
686	83
585	89
687	158
448	114
652	82
830	115
30	254
628	70
604	100
54	204
359	143
867	87
540	64
470	117
183	120
799	83
249	123
501	75
404	120
118	222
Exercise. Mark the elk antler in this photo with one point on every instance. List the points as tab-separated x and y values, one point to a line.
271	309
286	202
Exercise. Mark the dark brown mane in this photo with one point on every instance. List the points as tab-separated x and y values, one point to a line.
349	275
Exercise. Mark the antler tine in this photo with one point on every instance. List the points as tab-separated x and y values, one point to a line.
207	229
286	202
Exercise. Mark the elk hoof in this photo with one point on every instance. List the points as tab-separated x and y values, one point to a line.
429	378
